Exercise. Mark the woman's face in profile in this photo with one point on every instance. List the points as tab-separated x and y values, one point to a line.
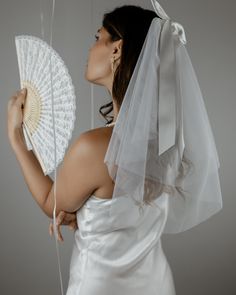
98	68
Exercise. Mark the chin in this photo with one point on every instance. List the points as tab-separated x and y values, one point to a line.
87	77
92	79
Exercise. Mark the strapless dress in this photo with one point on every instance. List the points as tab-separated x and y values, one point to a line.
120	254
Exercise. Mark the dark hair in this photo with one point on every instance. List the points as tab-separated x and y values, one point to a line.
131	24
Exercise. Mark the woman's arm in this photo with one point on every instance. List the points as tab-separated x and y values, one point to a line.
38	184
78	176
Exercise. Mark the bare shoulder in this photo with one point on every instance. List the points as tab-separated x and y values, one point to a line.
95	139
92	145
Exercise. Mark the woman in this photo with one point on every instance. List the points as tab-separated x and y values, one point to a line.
112	57
83	172
120	253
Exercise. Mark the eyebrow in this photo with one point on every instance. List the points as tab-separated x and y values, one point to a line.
98	30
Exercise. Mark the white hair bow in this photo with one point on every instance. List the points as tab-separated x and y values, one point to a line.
170	131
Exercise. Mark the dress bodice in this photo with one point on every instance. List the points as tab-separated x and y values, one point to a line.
124	249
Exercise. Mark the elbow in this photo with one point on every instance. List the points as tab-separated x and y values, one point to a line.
47	210
48	214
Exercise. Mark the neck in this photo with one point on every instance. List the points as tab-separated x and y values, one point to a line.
115	107
115	110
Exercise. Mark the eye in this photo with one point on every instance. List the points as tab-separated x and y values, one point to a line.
96	37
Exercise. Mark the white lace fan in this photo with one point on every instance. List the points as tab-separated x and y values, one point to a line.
34	66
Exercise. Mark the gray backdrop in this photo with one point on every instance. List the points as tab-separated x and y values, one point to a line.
203	258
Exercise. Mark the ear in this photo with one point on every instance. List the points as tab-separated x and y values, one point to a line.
117	49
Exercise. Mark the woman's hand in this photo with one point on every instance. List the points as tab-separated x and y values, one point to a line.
64	218
15	112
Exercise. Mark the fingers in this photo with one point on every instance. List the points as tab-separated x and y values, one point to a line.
21	95
59	220
60	217
51	230
18	99
63	218
73	225
60	238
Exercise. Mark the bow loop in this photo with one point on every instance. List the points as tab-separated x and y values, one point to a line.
178	29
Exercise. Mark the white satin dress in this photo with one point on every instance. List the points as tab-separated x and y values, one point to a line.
122	254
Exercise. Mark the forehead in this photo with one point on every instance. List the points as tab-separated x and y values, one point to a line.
102	30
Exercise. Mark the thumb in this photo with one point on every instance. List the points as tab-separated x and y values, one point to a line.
21	97
22	92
